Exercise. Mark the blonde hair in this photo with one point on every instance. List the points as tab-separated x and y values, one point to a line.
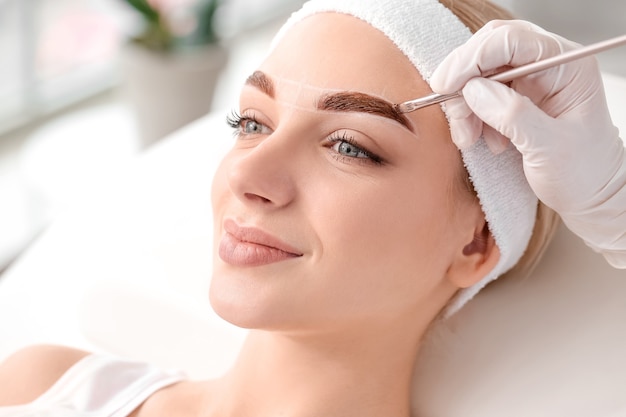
475	14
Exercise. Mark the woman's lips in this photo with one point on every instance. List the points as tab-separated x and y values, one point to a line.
247	246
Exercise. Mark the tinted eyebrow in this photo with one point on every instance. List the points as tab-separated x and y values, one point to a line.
261	81
350	101
347	101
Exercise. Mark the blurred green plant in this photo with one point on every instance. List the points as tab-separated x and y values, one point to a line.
172	25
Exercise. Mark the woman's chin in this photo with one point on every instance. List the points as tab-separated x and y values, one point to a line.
230	307
243	308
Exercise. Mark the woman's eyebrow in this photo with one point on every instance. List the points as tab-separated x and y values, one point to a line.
347	101
261	81
364	103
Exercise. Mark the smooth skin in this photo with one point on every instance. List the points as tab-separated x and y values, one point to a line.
383	242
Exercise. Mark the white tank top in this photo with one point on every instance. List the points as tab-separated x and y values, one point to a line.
98	385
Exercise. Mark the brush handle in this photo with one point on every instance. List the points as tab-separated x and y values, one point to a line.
510	75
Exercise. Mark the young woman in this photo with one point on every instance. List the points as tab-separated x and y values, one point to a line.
343	228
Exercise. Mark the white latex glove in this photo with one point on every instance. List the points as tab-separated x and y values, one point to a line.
558	119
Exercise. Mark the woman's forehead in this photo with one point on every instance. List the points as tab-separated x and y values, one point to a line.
333	51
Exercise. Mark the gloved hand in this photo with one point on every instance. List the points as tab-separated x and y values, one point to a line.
558	119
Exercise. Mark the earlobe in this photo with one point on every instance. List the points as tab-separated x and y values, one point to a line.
476	259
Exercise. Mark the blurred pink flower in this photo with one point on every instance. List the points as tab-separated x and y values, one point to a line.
178	15
167	5
77	38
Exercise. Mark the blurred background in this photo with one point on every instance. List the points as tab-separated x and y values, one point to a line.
87	85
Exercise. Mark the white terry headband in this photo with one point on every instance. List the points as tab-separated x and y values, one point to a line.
426	32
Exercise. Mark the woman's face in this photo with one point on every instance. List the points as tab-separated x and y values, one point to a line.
330	209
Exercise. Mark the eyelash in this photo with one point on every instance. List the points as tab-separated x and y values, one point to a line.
233	119
236	121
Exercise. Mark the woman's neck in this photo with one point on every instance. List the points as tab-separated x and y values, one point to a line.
365	373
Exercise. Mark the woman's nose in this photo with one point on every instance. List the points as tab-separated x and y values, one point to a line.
264	174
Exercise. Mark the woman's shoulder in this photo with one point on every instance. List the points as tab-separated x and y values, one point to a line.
31	371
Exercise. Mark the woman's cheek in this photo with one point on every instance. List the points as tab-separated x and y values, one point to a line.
219	190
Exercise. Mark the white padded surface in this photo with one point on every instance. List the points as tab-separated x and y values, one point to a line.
127	271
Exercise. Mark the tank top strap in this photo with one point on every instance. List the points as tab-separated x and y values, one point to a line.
103	386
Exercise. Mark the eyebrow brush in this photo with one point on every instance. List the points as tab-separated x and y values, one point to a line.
510	75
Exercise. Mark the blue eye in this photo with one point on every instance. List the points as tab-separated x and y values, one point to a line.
346	147
246	125
251	127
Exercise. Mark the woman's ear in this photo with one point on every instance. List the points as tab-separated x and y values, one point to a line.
476	259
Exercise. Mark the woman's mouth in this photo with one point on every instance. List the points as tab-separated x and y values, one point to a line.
248	246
